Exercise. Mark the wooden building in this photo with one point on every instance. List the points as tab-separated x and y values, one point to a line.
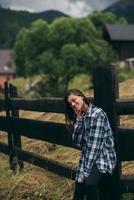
7	67
121	37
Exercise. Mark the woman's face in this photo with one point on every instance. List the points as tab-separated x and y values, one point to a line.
76	102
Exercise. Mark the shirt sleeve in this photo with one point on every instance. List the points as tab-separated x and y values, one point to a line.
95	140
78	133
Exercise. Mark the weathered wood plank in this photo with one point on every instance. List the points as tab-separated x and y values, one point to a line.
41	105
10	133
2	105
125	106
105	95
16	137
41	130
126	143
46	131
4	148
46	163
5	123
127	183
57	133
54	105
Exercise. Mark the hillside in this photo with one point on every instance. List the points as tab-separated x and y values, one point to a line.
123	8
36	183
12	21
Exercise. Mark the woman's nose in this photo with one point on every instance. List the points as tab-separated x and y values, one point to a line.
73	104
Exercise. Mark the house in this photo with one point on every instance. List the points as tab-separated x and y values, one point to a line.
7	67
121	37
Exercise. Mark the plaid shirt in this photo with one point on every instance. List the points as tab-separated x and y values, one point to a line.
93	134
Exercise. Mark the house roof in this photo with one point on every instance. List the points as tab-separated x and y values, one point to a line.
120	32
7	70
5	59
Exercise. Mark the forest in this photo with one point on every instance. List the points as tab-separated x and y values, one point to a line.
12	21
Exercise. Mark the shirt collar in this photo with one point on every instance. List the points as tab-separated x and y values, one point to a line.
89	110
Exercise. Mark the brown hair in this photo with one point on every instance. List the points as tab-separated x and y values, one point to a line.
70	116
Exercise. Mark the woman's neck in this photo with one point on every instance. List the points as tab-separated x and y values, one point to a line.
85	107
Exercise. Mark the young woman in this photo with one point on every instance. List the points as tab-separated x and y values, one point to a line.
91	132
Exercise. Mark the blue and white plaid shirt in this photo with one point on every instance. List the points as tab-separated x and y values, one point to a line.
93	134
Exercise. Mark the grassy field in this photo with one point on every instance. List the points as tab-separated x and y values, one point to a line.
35	183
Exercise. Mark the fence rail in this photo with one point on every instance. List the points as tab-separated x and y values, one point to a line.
2	105
55	105
105	96
125	107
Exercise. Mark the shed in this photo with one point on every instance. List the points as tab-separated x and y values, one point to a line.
121	37
7	67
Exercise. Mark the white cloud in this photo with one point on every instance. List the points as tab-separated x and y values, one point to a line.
22	8
76	8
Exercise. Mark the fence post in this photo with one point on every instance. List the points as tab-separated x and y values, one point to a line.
10	133
105	94
16	137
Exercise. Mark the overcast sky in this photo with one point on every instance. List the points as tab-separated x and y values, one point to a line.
75	8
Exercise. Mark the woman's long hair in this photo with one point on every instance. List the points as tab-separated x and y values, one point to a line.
70	116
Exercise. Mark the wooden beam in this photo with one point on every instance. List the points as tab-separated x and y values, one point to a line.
127	183
41	105
125	107
4	148
46	163
54	105
42	130
2	105
126	143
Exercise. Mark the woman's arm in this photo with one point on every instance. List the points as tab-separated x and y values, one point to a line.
78	133
95	135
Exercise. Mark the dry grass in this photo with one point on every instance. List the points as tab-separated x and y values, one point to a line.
127	89
35	183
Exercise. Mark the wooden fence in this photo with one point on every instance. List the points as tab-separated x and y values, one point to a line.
106	96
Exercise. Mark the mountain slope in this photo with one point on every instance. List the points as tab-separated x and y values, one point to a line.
12	21
123	8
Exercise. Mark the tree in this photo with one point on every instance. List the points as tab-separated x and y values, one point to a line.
70	30
53	69
29	44
99	19
19	52
62	31
62	49
37	39
69	55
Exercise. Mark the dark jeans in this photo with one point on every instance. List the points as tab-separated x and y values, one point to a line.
89	188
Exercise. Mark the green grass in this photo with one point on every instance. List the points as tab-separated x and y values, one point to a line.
124	74
81	81
128	196
23	83
13	185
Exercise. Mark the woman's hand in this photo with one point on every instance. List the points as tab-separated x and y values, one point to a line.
79	113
